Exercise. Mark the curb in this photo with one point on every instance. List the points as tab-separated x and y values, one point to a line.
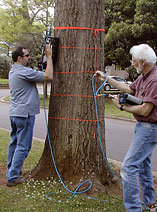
120	118
4	85
2	100
118	164
34	138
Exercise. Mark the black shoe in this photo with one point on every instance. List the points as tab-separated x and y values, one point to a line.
19	180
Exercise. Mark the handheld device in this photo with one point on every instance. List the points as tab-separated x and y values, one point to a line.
126	98
54	42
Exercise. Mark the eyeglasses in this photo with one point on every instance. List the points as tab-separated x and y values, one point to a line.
27	55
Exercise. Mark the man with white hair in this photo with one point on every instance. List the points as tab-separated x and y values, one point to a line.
137	163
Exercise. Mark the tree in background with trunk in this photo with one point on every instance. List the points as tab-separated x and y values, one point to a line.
25	23
128	23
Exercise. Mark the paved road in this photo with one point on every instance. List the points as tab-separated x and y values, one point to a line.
118	133
40	126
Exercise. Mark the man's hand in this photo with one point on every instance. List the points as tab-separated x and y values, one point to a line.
100	75
48	50
48	75
115	100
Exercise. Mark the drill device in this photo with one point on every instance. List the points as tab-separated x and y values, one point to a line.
54	42
126	98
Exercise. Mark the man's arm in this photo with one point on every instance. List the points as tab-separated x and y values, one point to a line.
48	75
142	110
120	86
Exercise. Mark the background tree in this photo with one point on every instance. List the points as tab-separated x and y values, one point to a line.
71	111
145	24
5	62
119	18
25	23
128	23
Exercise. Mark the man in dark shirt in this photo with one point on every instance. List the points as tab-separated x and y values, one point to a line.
137	162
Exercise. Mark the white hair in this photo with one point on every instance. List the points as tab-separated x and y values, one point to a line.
144	52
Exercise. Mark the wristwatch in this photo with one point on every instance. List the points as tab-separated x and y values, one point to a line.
122	107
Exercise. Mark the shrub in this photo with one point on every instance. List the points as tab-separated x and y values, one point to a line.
5	64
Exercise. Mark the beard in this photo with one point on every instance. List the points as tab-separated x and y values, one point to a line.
139	69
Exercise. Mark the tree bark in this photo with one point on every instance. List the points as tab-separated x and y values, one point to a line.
72	112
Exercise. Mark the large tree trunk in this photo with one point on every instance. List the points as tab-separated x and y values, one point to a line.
72	112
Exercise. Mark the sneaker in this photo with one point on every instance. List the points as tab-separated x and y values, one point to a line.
19	180
151	208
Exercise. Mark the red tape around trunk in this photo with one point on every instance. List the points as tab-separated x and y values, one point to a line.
81	28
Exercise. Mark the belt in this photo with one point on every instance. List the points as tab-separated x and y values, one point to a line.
147	122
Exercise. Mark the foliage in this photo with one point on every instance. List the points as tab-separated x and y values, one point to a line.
25	22
5	64
117	10
145	24
128	23
116	49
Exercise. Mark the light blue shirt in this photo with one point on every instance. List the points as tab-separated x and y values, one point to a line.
24	97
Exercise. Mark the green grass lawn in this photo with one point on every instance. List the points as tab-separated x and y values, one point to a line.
4	81
31	196
110	109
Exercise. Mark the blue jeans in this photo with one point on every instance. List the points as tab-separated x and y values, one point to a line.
20	144
137	166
